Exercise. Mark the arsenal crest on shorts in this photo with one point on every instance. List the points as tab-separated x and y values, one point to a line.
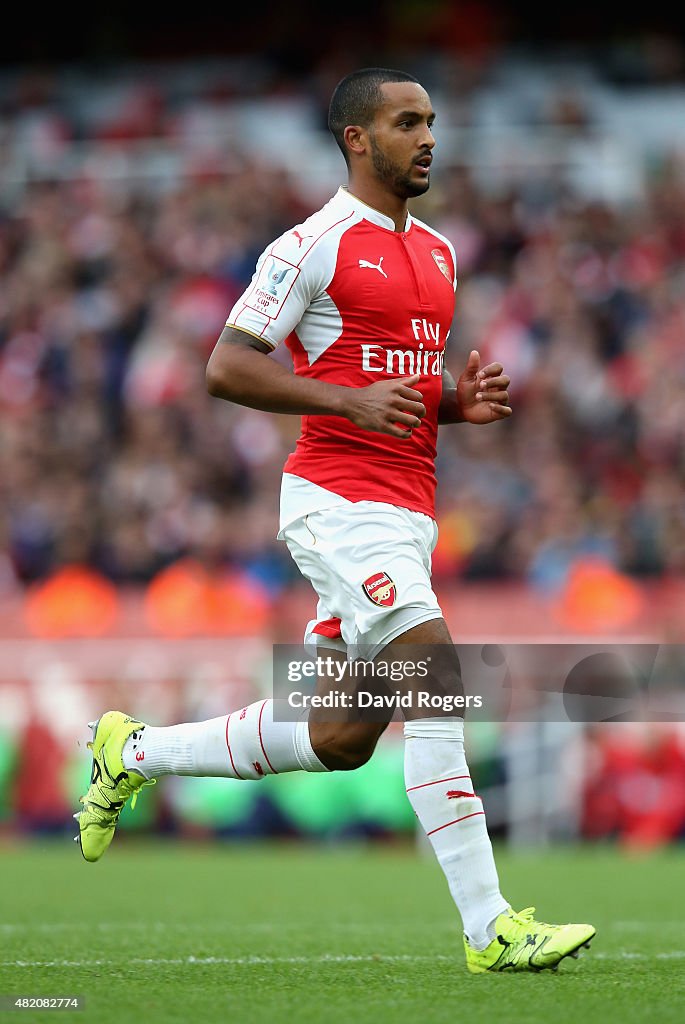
442	264
380	589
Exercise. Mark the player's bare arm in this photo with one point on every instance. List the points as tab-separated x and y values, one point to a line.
240	371
479	396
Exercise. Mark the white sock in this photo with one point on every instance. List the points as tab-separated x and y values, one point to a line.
247	744
440	790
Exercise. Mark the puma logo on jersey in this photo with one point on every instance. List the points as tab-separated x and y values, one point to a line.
300	238
374	266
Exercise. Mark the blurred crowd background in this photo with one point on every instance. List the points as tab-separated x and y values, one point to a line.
135	198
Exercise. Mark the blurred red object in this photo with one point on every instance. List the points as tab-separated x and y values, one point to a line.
188	600
75	601
597	597
39	798
636	786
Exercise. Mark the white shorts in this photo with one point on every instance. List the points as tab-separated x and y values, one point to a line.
370	565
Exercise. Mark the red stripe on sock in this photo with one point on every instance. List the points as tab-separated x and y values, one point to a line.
455	822
229	750
453	778
261	741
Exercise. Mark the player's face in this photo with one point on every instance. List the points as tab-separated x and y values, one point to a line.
401	138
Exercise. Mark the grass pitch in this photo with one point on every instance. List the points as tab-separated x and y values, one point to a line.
165	932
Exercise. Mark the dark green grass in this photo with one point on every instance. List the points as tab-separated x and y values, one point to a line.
294	906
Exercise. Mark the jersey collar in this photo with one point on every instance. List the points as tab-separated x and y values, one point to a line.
344	196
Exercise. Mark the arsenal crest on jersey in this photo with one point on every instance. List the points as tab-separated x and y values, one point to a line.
442	264
380	589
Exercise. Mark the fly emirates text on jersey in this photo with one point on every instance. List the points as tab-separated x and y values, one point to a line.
405	361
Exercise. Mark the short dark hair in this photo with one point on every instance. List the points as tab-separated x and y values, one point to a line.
356	99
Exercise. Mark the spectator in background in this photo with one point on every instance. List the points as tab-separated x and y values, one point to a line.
635	787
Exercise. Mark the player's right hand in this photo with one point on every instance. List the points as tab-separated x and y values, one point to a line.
392	407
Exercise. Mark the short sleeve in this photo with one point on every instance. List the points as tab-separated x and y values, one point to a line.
284	284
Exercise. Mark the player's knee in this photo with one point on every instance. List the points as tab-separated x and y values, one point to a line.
344	750
351	755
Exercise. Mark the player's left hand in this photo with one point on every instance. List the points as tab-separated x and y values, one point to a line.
482	393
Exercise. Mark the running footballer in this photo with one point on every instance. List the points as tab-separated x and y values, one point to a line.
362	293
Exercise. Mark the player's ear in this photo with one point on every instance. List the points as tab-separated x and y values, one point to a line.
356	139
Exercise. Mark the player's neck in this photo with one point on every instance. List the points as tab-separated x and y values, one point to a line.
378	198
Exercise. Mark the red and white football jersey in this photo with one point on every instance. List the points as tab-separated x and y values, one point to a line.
357	302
